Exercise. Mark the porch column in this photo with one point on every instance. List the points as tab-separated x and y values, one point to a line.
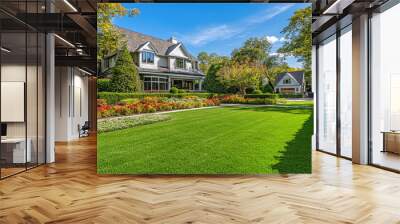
200	84
169	83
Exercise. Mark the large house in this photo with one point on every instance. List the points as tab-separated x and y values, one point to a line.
290	82
162	64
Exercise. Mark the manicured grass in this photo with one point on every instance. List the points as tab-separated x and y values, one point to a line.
303	103
228	140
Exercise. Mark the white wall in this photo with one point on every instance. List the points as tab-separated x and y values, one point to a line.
178	52
70	83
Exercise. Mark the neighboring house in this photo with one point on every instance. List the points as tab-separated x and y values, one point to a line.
290	82
162	64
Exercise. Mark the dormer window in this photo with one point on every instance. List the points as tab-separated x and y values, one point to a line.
287	81
147	57
180	63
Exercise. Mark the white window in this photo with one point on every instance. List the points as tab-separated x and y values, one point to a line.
180	63
155	83
327	95
287	81
148	57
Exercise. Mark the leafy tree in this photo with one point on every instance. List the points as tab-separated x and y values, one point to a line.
211	83
254	50
206	60
298	39
109	38
125	76
241	75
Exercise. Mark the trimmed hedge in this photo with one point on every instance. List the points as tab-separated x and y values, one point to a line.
262	96
112	98
103	85
283	95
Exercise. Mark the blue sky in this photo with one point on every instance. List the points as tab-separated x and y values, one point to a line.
214	28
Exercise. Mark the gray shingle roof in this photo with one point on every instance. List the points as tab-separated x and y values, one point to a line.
135	40
298	75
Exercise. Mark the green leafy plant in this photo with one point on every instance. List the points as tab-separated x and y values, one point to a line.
119	123
125	76
257	91
103	85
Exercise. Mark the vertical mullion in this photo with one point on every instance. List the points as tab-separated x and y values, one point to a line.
369	89
0	94
338	76
26	86
37	90
316	96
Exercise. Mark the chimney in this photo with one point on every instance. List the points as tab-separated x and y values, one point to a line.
173	40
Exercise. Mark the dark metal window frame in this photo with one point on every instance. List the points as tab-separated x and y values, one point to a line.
389	4
381	9
338	33
44	80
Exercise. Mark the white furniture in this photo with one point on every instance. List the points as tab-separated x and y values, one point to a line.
18	151
12	101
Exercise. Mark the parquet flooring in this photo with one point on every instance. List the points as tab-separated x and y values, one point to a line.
70	191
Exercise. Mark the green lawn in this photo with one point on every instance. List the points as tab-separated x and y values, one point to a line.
228	140
303	103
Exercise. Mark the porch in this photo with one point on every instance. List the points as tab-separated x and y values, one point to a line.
158	83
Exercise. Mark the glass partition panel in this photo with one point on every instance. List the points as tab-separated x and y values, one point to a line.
385	89
32	98
41	99
14	153
327	95
346	92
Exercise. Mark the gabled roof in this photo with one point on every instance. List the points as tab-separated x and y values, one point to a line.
136	40
148	43
298	76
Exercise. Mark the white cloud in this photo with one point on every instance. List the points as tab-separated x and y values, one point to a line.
227	31
272	39
277	54
268	14
211	34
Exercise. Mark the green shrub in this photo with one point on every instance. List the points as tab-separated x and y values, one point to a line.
211	82
174	90
112	98
103	85
181	91
291	95
267	89
257	91
113	124
124	74
130	100
262	96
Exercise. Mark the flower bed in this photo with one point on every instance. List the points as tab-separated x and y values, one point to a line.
237	99
151	105
113	98
112	124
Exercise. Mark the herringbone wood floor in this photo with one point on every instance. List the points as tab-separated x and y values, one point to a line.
69	191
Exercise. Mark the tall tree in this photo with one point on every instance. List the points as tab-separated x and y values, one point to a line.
298	38
125	76
254	50
241	75
206	60
211	82
109	38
